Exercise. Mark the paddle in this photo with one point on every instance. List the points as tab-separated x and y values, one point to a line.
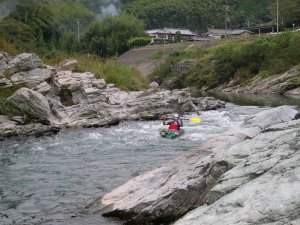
192	120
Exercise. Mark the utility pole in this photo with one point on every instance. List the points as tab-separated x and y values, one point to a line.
226	18
225	21
277	20
78	31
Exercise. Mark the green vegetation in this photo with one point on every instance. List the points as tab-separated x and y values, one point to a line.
50	29
121	75
238	61
110	36
198	15
138	41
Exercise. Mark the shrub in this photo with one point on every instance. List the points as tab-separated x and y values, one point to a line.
138	41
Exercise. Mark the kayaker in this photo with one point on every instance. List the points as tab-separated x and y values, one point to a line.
175	123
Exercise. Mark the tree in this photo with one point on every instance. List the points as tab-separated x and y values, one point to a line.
110	36
38	17
289	11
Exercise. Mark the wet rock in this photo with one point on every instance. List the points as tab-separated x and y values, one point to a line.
33	129
190	181
208	103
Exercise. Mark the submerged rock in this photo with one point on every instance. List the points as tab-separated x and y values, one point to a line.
196	178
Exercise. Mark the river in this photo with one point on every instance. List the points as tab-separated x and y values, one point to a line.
49	180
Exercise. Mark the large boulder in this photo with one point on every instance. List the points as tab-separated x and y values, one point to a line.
263	186
33	101
166	193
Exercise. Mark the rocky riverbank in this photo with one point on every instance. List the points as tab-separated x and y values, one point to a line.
248	175
284	84
60	98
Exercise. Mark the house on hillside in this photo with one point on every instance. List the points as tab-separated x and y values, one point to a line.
218	33
170	34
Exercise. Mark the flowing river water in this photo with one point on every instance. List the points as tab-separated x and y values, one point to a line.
49	180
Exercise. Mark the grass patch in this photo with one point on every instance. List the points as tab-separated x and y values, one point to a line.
9	109
8	47
157	55
6	92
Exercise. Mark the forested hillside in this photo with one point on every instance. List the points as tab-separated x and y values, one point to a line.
200	14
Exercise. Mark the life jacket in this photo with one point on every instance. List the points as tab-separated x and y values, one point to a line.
175	125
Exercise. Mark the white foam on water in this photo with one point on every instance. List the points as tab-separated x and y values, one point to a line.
95	136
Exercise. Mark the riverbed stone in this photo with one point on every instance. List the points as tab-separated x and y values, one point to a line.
170	191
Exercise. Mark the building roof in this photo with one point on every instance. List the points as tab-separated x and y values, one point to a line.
171	31
228	32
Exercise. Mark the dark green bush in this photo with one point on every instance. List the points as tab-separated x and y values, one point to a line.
138	41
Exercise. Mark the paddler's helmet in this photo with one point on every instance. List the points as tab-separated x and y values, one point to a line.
176	116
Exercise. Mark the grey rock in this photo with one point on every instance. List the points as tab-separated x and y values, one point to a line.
208	103
3	63
11	129
262	187
32	77
32	100
43	88
68	64
293	92
24	62
4	82
192	180
154	85
276	84
19	119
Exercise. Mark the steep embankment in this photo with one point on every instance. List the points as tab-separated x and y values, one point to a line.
148	59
